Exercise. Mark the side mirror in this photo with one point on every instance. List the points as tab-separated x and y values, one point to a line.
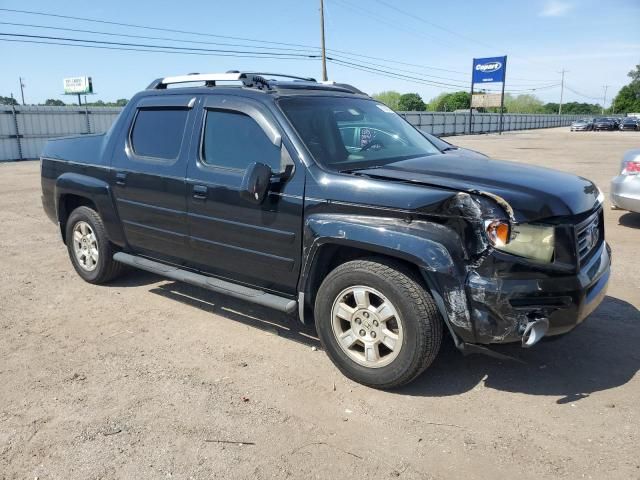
255	183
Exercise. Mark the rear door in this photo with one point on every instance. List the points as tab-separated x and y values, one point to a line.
230	237
149	176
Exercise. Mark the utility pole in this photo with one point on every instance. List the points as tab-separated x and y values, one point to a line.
22	85
561	91
324	54
604	99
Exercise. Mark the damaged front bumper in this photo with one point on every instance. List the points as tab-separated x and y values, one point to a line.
501	303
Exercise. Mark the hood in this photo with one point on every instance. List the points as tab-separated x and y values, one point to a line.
534	193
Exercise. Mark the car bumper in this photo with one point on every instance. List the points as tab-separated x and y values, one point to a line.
625	192
580	129
500	308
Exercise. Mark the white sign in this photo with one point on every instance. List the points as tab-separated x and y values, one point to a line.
78	85
485	100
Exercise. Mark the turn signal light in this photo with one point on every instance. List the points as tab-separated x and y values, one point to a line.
497	232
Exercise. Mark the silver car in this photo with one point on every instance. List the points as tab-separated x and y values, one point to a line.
625	188
582	125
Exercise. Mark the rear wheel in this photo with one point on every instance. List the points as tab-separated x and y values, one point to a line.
377	323
89	248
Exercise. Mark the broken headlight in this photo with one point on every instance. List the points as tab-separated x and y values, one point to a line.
535	242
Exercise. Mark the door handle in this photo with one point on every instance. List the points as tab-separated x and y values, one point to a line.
200	192
121	178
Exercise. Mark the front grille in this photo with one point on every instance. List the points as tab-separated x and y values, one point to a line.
589	235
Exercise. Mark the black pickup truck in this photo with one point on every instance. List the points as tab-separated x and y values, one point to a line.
313	198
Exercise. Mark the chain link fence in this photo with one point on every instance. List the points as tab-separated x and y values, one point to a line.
25	129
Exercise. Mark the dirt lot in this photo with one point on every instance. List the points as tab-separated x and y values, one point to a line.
148	378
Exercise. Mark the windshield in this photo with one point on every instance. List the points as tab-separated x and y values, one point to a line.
353	133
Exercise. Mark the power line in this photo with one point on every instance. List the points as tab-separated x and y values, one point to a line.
167	47
43	42
572	90
146	37
147	27
384	21
121	46
346	58
448	30
475	41
186	32
398	75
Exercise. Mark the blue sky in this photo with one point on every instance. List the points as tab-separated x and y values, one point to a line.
596	41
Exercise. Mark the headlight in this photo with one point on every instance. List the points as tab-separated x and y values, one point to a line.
535	242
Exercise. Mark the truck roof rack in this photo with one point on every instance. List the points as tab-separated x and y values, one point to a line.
258	80
248	79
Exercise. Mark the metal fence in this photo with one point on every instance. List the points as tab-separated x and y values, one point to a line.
449	123
25	130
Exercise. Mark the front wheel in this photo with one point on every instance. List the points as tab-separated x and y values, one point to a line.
89	248
377	322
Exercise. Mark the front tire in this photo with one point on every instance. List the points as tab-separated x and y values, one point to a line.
90	250
377	322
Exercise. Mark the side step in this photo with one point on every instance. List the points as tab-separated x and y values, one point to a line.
214	284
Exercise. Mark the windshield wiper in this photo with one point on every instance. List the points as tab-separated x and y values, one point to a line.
352	170
448	149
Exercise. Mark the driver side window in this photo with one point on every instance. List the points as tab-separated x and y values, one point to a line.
233	140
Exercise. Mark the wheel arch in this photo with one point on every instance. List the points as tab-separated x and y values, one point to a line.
73	190
429	250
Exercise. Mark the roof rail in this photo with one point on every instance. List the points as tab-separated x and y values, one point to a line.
249	79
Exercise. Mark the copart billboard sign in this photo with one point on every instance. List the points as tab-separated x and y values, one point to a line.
489	70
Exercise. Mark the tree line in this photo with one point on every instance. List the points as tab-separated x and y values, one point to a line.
626	101
450	102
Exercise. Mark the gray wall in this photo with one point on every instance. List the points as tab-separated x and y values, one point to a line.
448	123
25	130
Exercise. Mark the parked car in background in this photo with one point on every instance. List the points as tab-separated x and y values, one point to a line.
629	123
604	124
625	188
583	125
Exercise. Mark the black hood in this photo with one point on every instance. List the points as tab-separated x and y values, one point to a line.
534	193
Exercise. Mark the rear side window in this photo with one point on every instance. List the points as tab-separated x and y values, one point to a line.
235	140
158	132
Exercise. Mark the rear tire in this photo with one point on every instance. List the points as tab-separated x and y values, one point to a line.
377	323
90	250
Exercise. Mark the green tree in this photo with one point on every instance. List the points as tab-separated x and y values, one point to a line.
628	98
411	102
8	101
52	102
525	103
448	102
573	108
121	102
390	98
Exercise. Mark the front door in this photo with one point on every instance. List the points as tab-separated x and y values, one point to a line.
230	237
149	176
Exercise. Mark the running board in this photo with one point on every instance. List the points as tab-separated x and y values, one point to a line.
253	295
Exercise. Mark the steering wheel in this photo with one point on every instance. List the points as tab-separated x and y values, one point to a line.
372	143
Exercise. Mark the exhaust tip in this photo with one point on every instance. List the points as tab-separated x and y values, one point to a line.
534	331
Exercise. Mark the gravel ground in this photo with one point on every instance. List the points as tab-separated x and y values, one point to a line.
148	378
